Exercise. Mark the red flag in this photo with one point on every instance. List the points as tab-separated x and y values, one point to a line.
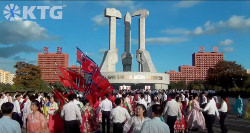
88	66
60	97
96	77
79	54
104	84
64	72
76	79
65	82
91	99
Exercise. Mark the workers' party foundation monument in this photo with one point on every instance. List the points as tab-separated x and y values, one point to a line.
147	75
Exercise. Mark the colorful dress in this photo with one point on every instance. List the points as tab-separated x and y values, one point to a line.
99	114
238	107
26	111
195	118
180	126
127	103
134	124
88	120
55	122
37	123
46	109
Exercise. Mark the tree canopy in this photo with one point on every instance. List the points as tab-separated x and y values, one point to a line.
28	76
227	74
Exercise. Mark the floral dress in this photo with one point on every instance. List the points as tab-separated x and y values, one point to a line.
55	122
36	123
180	126
195	118
99	114
89	123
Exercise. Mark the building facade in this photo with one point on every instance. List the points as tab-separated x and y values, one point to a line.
202	61
74	68
6	77
48	64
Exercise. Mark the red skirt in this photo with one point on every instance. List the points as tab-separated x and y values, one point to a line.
56	123
180	125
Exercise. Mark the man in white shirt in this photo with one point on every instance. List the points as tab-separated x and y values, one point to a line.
165	96
142	101
223	114
72	116
147	98
211	110
182	98
5	97
173	112
119	116
155	125
15	95
16	111
40	97
7	125
17	105
26	109
76	101
106	107
1	100
203	100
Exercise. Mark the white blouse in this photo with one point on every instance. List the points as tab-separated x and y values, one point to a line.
135	123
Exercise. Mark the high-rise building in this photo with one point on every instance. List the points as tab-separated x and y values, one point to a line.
6	77
248	71
202	61
74	68
48	64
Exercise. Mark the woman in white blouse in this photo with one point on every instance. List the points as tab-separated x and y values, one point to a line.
134	124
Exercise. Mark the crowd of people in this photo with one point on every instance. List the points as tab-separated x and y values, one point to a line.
125	111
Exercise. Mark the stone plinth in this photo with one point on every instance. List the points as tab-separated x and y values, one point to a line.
159	80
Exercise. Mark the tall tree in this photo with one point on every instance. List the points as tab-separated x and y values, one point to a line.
28	76
227	74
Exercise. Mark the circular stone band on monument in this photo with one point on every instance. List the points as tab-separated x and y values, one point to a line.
137	77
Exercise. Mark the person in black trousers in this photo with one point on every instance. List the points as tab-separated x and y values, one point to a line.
211	110
106	107
223	114
172	110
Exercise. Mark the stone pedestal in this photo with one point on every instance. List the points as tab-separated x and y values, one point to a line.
109	61
144	60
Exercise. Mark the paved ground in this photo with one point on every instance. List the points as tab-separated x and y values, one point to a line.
234	124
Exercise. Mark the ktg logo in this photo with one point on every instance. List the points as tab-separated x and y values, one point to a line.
12	12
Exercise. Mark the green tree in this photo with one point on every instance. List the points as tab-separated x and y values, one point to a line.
227	74
5	87
57	85
178	85
28	76
172	85
198	85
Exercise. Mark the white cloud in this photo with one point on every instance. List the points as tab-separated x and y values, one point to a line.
20	31
228	49
226	42
177	31
236	23
186	4
198	30
165	40
100	20
101	51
